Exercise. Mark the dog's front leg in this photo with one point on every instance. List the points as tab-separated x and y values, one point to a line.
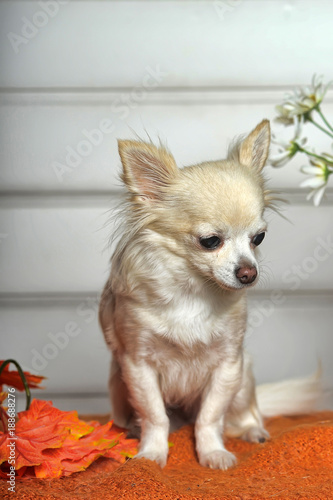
146	398
218	394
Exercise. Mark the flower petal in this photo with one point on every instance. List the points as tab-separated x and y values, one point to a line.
307	169
318	196
279	159
313	182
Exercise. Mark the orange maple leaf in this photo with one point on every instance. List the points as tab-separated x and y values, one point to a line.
13	379
76	454
3	397
35	430
126	449
44	413
50	443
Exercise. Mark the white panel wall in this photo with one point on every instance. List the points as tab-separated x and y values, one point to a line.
77	148
43	244
194	43
78	75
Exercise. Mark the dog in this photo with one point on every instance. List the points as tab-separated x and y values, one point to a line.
174	310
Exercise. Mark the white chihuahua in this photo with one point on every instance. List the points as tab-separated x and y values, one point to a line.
173	311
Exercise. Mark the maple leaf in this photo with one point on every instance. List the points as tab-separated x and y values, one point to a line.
53	443
12	378
77	454
44	427
35	430
43	412
127	448
3	397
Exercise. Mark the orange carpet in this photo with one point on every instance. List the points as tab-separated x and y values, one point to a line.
297	463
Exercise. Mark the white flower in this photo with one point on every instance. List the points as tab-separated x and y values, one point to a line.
320	170
288	149
284	113
302	101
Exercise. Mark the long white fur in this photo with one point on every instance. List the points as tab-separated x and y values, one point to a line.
174	314
289	397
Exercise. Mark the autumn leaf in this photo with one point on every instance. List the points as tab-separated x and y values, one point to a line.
13	379
3	397
44	412
53	443
77	454
39	428
127	448
35	430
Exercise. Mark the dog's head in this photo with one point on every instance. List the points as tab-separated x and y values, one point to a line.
211	214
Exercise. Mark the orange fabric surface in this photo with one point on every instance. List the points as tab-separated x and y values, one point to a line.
296	463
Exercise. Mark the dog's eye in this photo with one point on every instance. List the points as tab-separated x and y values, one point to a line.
258	239
210	243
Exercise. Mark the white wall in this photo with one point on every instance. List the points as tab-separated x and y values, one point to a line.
195	73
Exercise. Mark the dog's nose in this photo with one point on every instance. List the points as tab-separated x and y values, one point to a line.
246	275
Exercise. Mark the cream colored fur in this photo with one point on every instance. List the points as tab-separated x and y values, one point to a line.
174	312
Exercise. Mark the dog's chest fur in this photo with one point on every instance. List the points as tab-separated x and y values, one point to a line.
176	321
184	330
185	370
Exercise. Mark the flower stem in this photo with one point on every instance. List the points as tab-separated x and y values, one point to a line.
320	127
324	118
19	369
309	153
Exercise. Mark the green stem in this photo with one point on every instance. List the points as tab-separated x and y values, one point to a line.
24	381
320	127
321	114
309	153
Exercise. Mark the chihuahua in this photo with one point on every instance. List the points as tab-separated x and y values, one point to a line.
174	310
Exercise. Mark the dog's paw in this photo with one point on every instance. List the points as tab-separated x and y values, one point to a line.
255	435
219	459
155	455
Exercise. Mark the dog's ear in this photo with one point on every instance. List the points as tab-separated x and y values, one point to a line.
147	170
253	150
